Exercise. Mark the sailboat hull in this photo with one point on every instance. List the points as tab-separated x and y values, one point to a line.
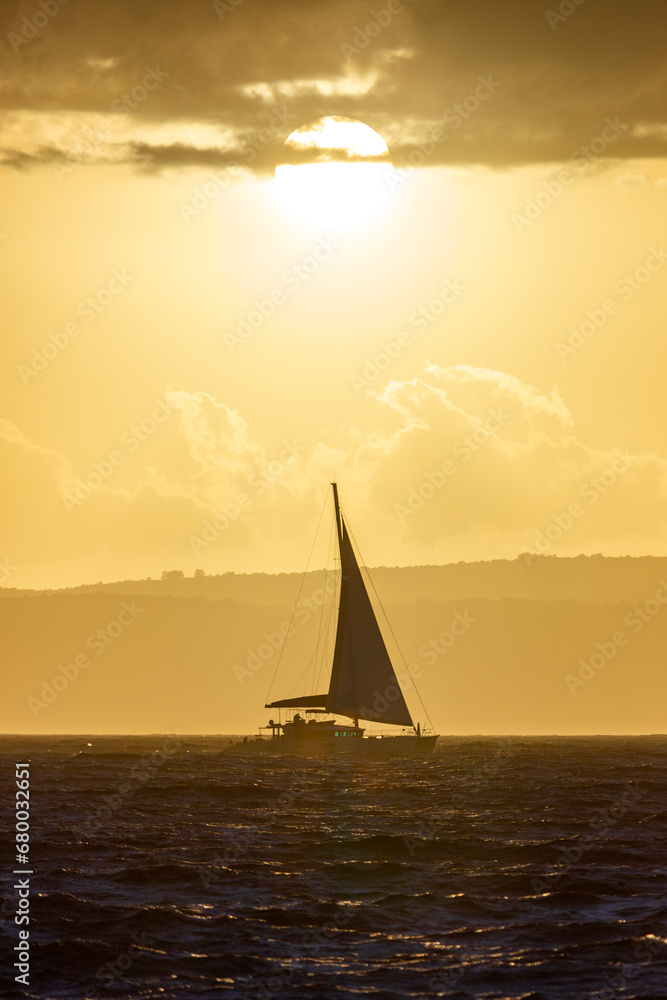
371	745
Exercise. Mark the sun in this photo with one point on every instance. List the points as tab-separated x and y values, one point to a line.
334	173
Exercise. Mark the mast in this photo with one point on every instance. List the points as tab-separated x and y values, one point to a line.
339	525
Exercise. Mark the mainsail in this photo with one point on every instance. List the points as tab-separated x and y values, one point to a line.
363	682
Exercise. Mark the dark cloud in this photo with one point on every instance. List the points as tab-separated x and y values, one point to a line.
560	76
180	155
20	160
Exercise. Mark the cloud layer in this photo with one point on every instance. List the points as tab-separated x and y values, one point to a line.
458	460
405	69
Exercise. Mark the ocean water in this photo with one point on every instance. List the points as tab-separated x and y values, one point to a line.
492	868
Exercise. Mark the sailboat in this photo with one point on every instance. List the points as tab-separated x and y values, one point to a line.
363	684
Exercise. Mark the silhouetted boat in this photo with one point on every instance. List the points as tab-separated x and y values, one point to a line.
363	683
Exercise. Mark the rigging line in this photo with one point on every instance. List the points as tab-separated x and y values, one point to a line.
326	659
316	672
294	607
297	683
330	629
300	682
384	613
310	683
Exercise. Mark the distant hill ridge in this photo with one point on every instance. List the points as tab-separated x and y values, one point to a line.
585	579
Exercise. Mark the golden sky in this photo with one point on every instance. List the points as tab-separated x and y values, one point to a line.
470	341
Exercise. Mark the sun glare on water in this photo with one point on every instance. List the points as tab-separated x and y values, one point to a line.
334	173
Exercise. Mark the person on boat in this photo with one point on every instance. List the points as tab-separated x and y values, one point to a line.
298	719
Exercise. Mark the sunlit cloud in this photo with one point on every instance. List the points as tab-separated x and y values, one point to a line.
507	483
